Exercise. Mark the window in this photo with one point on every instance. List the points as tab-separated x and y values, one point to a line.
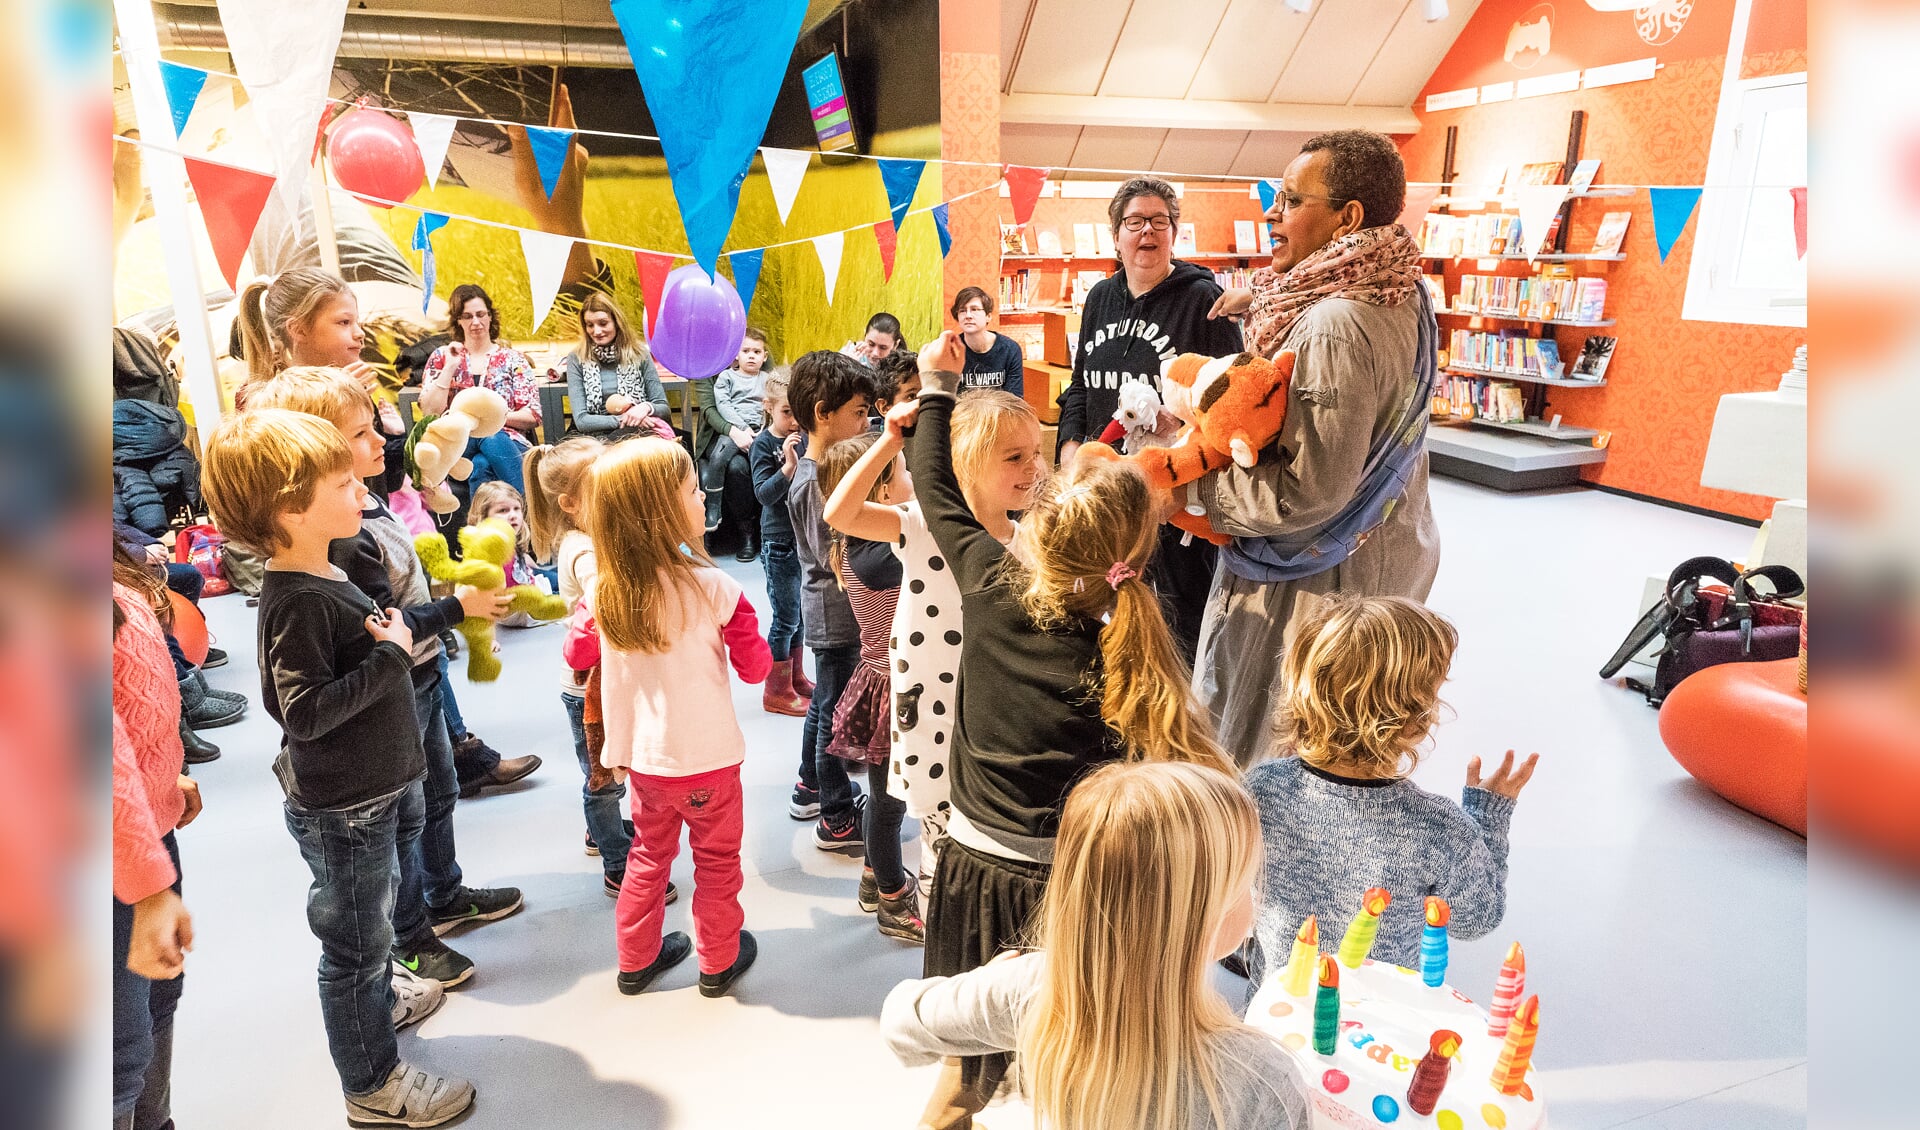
1746	265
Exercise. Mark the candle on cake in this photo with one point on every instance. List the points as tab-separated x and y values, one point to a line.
1517	1053
1359	937
1430	1075
1433	942
1326	1008
1507	990
1298	979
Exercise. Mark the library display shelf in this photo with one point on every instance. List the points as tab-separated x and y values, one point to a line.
1566	433
1108	260
1506	461
1521	320
1543	257
1528	378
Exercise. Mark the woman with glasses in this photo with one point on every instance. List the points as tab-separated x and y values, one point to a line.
476	357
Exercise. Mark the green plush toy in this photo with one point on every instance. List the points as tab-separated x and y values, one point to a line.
485	549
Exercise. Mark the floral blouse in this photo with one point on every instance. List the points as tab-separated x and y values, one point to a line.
509	373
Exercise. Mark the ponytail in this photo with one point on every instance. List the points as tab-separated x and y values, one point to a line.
551	470
268	308
256	343
1145	695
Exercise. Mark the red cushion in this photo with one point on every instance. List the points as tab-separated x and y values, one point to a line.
1741	730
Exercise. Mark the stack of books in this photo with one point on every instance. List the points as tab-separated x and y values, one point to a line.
1467	398
1548	298
1506	352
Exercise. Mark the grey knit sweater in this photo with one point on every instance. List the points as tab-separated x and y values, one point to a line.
1329	840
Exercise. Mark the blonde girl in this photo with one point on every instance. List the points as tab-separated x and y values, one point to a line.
997	460
669	624
1114	1016
499	500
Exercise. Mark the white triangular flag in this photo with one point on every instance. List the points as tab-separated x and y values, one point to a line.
1537	204
432	132
828	248
785	169
283	54
546	256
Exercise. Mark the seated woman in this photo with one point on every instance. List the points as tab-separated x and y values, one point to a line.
612	386
475	356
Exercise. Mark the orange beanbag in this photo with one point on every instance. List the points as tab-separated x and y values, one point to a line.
189	628
1741	730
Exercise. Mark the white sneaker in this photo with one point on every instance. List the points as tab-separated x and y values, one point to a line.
414	999
411	1096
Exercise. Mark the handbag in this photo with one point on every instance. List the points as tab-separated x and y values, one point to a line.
1747	621
204	547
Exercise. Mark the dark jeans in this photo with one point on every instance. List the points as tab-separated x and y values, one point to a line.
142	1028
604	822
354	854
185	580
884	816
782	563
1182	576
429	873
833	666
181	668
468	764
726	474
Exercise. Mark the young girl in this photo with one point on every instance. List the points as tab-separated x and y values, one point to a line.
862	719
1067	664
996	458
498	499
669	623
1157	851
1363	678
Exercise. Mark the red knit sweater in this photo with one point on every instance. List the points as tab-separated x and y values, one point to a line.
147	801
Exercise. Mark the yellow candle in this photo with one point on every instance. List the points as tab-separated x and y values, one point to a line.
1298	980
1359	938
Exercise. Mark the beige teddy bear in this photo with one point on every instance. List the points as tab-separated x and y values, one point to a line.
437	448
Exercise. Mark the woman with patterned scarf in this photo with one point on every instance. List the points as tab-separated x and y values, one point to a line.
611	362
1341	505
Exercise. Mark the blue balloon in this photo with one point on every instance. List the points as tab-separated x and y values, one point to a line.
701	324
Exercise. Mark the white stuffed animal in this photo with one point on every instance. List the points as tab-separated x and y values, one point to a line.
1138	415
437	449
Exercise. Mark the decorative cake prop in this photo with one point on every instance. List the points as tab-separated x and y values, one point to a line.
1381	1045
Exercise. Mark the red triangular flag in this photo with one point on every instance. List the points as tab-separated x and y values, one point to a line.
1023	186
888	239
653	268
230	202
1800	219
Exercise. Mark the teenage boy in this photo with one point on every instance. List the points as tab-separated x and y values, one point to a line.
775	455
334	675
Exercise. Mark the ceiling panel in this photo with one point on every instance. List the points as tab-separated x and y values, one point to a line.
1267	154
1337	49
1013	23
1041	146
1199	150
1410	54
1255	40
1116	147
1068	42
1160	48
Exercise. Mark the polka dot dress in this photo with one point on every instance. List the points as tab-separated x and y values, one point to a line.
925	650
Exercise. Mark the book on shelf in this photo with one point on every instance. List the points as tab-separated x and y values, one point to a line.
1504	351
1234	277
1543	297
1436	290
1184	243
1468	237
1030	337
1013	239
1264	232
1086	245
1048	243
1017	290
1539	172
1467	398
1590	300
1244	241
1594	356
1583	174
1612	235
1546	354
1103	235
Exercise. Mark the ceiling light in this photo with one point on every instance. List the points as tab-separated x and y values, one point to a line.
1436	10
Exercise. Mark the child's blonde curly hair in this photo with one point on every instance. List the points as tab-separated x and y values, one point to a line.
1363	678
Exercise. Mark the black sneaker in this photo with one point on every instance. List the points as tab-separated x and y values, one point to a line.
717	984
432	960
869	891
844	837
474	905
899	916
674	949
611	884
805	802
215	658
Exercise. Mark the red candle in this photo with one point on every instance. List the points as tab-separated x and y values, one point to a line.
1423	1094
1507	990
1517	1053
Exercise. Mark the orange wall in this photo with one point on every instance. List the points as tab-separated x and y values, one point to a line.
970	131
1667	375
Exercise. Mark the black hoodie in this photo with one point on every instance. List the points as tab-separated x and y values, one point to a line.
1124	338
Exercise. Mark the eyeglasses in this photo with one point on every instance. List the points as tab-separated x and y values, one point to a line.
1141	223
1288	201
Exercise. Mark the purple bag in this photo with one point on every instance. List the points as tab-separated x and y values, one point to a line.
1708	626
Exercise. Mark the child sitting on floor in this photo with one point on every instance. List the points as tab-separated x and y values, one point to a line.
498	499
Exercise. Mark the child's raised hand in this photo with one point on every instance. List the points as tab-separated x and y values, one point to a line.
390	628
900	417
943	354
1506	780
487	604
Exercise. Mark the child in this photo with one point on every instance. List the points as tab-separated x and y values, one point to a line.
829	394
870	575
993	360
1147	851
498	499
896	378
775	454
730	414
334	675
996	457
379	559
669	623
1067	663
1363	679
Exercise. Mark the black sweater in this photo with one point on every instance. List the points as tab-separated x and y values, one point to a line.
342	699
1029	707
770	486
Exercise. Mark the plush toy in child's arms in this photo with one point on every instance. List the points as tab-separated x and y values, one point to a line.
437	445
485	549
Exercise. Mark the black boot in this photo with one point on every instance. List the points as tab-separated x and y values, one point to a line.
205	708
199	750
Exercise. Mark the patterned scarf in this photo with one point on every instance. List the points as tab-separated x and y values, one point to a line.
1379	266
632	384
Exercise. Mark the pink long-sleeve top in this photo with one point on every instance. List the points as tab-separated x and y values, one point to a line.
147	801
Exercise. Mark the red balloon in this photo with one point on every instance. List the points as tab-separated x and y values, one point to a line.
189	628
375	157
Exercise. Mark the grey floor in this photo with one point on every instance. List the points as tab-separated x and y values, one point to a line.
1665	930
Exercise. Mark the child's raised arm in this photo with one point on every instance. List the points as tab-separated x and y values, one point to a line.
1476	883
848	509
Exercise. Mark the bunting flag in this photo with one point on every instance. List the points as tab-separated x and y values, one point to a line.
283	54
550	149
902	178
1267	190
828	247
709	124
432	133
940	225
785	169
746	275
654	269
1023	186
1800	220
1419	202
546	256
430	222
231	201
183	90
1537	204
1672	208
888	238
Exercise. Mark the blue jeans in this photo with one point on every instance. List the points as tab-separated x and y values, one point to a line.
185	580
833	666
782	563
496	457
142	1027
354	854
468	765
604	822
429	873
449	708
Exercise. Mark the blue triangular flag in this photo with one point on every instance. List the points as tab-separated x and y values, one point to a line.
1672	208
430	222
1267	193
709	125
746	275
183	90
940	225
550	149
902	177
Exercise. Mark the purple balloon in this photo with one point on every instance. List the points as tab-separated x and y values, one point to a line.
701	324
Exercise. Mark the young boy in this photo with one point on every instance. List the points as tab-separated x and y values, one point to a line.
730	413
896	377
379	559
830	394
775	454
333	674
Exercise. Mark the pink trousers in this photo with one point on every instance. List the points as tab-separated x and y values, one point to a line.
709	805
